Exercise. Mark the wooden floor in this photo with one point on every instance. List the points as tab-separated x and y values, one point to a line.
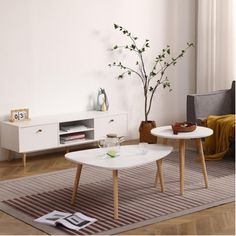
213	221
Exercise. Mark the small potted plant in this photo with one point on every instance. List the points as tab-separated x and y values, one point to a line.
151	79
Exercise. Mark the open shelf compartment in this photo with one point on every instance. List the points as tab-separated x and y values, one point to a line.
76	126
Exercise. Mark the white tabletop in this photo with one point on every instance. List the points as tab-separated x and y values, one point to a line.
167	132
130	156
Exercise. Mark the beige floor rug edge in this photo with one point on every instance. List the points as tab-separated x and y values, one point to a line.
53	230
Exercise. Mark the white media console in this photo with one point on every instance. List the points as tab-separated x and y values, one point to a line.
62	130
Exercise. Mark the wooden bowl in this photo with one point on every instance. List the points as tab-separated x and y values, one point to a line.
183	127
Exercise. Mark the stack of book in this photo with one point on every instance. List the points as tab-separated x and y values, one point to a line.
72	137
73	128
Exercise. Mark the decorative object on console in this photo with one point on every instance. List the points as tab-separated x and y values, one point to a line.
102	100
152	79
19	115
183	127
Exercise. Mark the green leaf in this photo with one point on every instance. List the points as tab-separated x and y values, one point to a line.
151	88
129	72
116	26
132	46
120	77
135	38
136	62
190	44
152	74
115	47
168	51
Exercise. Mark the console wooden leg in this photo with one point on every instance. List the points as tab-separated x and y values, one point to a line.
115	193
159	172
202	158
76	183
182	164
24	159
9	155
67	149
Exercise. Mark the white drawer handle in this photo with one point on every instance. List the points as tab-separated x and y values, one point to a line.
110	121
39	131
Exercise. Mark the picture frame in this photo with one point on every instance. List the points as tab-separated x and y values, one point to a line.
19	115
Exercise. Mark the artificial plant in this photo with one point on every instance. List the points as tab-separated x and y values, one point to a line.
153	78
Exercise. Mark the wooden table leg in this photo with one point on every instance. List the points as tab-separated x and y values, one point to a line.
115	193
182	164
159	173
24	159
76	183
197	148
165	140
202	158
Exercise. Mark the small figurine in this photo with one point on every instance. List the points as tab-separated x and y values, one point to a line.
102	100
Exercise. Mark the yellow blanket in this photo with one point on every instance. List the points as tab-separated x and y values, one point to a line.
217	145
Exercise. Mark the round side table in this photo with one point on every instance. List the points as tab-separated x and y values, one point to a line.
166	132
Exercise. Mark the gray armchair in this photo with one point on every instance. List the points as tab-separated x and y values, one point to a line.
221	102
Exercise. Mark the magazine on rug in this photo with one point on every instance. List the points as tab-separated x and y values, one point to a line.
74	221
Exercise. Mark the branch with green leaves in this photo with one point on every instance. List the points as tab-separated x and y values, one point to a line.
162	62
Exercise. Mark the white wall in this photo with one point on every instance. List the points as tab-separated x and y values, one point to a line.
54	55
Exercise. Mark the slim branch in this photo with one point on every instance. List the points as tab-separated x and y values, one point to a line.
157	70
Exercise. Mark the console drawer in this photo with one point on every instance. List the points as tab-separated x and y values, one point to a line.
111	124
38	137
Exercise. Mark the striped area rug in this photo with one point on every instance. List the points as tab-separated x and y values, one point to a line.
140	202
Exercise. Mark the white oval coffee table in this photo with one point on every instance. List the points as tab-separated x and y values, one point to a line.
130	156
200	132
